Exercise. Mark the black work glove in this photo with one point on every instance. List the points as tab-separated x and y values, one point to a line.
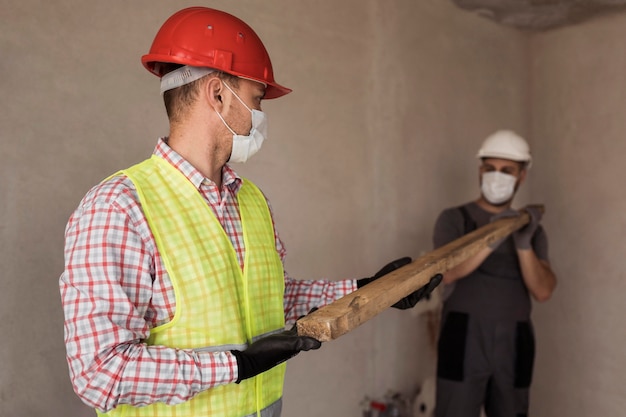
424	292
410	300
266	353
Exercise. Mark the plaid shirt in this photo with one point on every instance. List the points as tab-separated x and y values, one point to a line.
115	289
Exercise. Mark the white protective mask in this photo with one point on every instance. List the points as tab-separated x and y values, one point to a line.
244	146
498	187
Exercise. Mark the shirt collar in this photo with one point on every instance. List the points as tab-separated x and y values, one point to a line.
229	177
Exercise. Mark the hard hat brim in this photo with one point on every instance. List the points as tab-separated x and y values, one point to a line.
273	89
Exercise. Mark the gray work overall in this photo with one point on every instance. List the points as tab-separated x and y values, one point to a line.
486	346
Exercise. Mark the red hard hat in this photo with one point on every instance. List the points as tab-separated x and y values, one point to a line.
203	37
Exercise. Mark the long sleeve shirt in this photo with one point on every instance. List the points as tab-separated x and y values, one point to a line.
115	289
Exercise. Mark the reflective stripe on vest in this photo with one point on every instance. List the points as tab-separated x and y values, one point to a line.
216	304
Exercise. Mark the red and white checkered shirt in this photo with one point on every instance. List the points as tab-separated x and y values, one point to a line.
115	289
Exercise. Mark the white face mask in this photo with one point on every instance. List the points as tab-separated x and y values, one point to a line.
244	146
498	187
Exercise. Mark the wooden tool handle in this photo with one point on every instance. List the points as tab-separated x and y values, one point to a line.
350	311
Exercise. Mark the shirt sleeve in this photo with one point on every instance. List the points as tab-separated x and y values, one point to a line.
303	295
106	289
448	227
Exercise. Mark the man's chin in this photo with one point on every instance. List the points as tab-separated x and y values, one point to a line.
503	204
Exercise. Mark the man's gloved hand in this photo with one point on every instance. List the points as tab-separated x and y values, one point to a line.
390	267
523	236
266	353
502	215
410	300
424	292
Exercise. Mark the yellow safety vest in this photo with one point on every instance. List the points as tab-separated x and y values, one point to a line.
218	306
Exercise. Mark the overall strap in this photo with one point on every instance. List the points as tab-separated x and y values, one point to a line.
469	225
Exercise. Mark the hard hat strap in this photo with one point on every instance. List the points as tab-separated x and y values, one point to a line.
183	75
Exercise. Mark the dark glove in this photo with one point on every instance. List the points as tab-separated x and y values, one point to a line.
391	266
424	292
502	215
410	300
523	236
266	353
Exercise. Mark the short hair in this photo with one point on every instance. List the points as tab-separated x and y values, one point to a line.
179	99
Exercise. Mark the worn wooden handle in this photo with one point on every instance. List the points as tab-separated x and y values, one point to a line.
350	311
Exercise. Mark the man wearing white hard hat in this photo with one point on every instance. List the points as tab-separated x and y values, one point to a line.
486	346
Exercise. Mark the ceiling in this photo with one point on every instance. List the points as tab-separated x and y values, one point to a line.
541	14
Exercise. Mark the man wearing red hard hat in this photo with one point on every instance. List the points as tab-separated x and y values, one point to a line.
174	291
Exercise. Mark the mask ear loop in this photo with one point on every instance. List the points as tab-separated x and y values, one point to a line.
238	98
224	121
220	116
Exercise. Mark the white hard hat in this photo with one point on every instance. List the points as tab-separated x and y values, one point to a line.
505	144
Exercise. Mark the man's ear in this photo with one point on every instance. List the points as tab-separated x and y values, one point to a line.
213	90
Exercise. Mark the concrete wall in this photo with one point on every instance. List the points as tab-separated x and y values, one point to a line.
391	100
578	126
